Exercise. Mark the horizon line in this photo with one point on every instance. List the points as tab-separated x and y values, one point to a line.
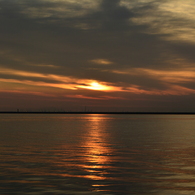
88	112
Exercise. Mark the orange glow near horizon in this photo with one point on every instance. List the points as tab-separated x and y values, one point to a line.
171	79
65	82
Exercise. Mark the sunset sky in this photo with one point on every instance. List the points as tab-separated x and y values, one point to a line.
99	55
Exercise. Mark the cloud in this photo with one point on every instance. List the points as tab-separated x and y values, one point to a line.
46	65
17	91
167	82
64	43
174	20
63	82
94	98
171	76
58	9
75	83
101	48
28	74
101	61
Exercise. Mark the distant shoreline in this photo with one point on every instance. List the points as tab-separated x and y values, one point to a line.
177	113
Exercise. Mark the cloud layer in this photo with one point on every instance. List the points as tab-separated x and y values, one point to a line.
119	51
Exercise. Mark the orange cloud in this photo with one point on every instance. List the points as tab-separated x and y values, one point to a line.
95	98
172	76
64	81
72	83
171	90
178	90
22	73
16	91
83	97
40	83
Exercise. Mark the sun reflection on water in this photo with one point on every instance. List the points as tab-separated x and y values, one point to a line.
97	151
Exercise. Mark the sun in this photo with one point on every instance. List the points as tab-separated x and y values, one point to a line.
94	85
97	86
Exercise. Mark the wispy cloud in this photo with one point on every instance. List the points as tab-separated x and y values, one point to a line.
101	61
173	20
20	91
170	76
58	8
22	73
46	65
64	82
79	96
40	83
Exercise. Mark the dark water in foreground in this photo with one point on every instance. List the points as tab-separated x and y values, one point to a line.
97	154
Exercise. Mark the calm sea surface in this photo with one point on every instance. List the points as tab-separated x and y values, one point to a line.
97	154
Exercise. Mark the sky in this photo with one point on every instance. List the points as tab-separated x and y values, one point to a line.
97	55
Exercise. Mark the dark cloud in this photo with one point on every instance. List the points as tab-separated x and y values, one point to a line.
114	16
58	43
184	49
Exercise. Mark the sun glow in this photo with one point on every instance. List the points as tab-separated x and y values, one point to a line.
94	85
97	86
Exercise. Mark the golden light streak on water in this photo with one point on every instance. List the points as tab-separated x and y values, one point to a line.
96	149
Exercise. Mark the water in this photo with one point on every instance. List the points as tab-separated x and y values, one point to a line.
97	154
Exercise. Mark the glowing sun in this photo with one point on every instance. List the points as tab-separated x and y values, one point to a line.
94	85
97	86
